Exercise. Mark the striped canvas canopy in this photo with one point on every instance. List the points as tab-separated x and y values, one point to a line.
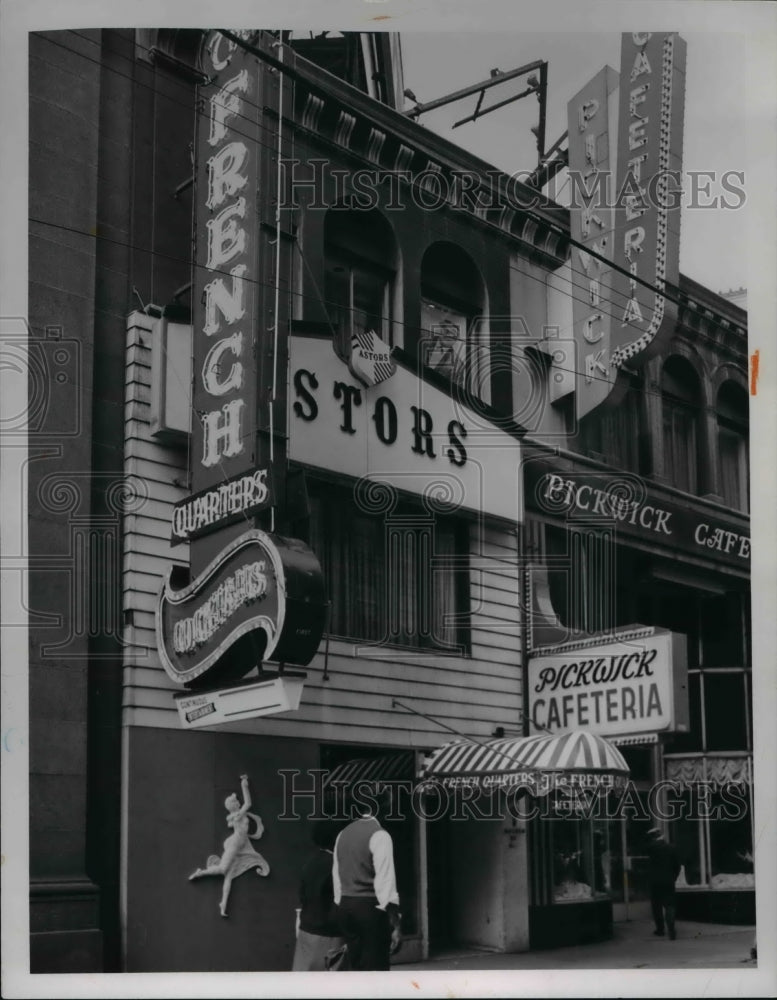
390	767
536	763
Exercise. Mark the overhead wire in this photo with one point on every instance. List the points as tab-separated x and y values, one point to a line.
543	220
571	282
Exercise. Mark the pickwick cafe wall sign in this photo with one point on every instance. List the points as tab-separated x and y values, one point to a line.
637	512
635	682
261	599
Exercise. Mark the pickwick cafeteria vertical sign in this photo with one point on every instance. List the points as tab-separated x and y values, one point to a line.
635	222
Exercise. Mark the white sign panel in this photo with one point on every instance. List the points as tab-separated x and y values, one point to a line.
404	431
635	684
245	701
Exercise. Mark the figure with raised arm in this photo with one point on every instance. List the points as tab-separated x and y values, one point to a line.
239	854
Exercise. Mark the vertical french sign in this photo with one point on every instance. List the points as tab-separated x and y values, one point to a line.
225	389
647	213
592	167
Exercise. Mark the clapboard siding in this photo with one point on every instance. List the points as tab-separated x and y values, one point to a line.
349	672
472	694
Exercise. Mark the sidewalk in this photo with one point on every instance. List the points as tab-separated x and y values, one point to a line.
633	946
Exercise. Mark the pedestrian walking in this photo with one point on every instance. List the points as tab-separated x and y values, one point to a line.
317	929
365	888
663	870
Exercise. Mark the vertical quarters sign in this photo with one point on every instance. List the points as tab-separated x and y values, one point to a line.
226	272
647	209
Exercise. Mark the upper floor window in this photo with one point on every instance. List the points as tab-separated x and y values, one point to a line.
680	398
359	275
732	413
612	433
397	577
452	316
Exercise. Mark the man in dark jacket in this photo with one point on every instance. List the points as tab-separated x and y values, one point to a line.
318	931
664	867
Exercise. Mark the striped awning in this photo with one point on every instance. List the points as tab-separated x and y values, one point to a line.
537	764
390	767
640	739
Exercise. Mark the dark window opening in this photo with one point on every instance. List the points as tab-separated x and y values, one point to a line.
680	405
399	578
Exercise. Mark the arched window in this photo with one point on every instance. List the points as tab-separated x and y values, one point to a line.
732	413
680	394
452	309
360	268
612	433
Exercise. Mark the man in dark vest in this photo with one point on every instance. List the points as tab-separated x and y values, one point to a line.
664	867
365	888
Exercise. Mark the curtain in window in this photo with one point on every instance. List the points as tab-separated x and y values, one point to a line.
732	451
446	579
395	580
680	445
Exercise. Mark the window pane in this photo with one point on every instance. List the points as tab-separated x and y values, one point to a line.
731	846
724	710
680	445
572	876
732	449
686	835
444	339
400	581
722	636
369	302
692	740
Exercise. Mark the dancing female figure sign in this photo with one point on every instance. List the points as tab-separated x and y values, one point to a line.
239	855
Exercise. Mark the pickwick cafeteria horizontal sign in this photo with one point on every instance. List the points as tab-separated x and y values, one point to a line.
260	599
624	501
632	682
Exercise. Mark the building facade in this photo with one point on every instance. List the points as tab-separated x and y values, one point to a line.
251	262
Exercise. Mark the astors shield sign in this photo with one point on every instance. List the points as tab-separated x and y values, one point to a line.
633	682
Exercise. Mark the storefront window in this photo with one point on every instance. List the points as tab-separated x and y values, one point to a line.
581	859
725	714
731	844
693	739
399	578
688	835
722	631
